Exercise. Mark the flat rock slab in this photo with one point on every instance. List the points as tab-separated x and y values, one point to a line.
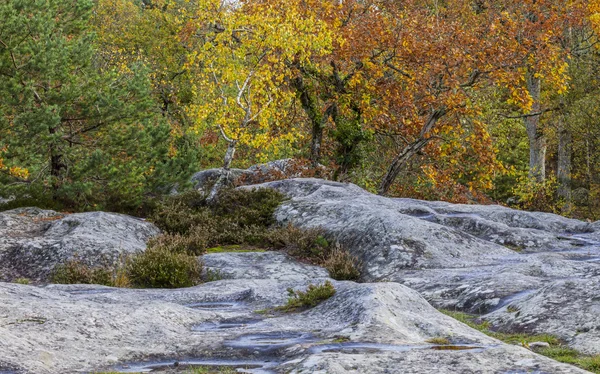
261	265
384	326
33	241
474	258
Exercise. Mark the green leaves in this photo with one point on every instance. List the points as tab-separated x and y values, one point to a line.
89	136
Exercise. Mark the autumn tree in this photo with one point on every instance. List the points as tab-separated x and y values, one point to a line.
402	72
537	33
240	63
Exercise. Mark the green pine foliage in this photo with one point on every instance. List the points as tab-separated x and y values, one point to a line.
90	138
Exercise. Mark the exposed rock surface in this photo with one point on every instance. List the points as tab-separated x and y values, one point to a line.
278	169
261	265
479	259
363	328
33	241
522	271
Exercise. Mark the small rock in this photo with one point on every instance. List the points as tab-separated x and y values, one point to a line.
538	345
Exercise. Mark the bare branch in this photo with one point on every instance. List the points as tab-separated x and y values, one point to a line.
227	139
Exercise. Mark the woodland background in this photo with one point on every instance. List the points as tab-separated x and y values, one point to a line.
107	104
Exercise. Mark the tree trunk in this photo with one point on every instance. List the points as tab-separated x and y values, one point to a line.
537	140
317	120
57	168
409	151
398	164
224	177
563	170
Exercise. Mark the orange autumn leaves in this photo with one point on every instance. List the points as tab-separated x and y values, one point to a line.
393	62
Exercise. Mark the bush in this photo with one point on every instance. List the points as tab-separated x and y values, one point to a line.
310	245
239	217
22	281
76	272
249	207
307	244
178	214
342	265
157	267
193	244
538	196
309	298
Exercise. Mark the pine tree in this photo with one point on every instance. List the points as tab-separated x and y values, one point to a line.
83	134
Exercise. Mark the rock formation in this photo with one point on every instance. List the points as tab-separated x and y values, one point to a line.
33	241
473	258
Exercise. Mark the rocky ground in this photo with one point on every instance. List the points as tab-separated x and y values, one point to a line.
363	328
521	271
33	241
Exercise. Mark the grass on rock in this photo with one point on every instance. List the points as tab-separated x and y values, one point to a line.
556	351
313	296
439	341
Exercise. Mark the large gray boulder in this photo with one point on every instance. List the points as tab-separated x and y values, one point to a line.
479	259
205	179
363	328
33	241
272	170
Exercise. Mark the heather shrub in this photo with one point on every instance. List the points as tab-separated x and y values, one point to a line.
342	265
310	298
75	271
158	267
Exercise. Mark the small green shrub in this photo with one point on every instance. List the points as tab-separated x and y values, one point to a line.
235	207
342	265
193	244
307	299
178	214
22	281
230	232
159	268
249	207
212	275
439	341
239	217
307	244
76	272
538	196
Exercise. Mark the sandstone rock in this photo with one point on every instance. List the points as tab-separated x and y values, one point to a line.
205	179
261	265
272	170
385	326
34	241
522	271
478	259
568	308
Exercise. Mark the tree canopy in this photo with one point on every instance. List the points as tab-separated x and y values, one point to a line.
462	100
